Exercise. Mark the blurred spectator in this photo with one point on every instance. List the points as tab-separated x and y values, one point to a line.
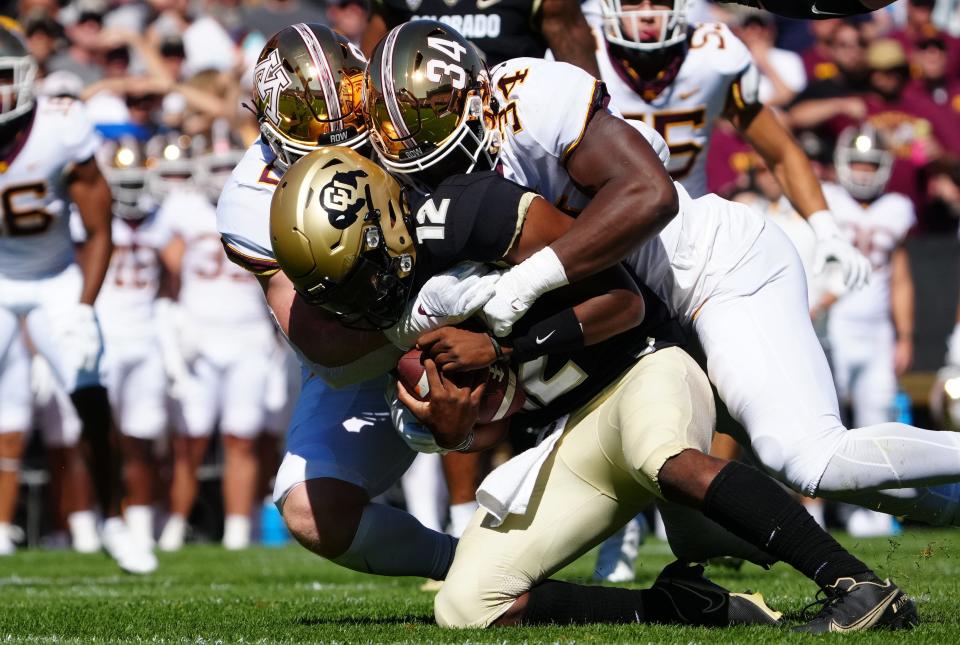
818	57
271	16
782	71
920	27
349	17
943	194
930	63
82	53
946	16
43	34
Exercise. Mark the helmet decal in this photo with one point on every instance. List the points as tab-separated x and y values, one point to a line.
271	79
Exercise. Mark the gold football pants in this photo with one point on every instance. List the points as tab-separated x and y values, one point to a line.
602	472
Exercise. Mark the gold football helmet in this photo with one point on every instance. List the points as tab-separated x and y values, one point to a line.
338	229
307	92
426	91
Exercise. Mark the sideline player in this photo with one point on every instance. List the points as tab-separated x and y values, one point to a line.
334	463
132	358
597	351
227	341
737	282
47	147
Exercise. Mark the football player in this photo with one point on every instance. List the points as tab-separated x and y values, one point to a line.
132	358
47	147
591	355
221	310
738	283
341	449
681	81
870	331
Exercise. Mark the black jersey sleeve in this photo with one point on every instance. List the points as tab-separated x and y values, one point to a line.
475	217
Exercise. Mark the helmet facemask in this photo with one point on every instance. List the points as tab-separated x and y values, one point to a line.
862	146
626	27
17	78
427	90
308	93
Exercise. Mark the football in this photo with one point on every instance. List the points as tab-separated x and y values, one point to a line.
502	398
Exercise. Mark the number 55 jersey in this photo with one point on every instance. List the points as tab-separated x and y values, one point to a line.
35	237
715	74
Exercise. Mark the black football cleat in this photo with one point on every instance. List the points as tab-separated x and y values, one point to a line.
698	601
854	606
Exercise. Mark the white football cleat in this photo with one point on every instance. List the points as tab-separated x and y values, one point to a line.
132	556
236	532
83	532
7	546
173	534
618	554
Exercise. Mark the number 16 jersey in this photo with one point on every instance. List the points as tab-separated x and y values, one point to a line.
35	237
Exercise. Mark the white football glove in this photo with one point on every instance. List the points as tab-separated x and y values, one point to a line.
168	328
414	433
520	287
43	383
953	347
833	247
445	299
78	329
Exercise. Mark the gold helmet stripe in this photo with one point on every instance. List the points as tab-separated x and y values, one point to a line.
322	65
390	90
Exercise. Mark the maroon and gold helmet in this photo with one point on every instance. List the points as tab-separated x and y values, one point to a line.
426	91
307	92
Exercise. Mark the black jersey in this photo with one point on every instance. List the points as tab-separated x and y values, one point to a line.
477	217
502	29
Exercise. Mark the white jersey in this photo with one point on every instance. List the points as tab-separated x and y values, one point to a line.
702	243
243	219
876	230
125	304
35	237
213	291
716	72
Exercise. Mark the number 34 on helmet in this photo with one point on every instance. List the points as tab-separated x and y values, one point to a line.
426	91
339	232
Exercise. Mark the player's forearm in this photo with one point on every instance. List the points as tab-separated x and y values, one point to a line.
902	294
619	218
315	332
799	182
617	308
94	258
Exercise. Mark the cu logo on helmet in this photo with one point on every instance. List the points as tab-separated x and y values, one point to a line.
340	198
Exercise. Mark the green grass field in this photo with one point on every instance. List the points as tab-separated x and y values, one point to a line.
205	595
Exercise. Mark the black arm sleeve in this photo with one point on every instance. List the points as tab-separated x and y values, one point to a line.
475	217
807	9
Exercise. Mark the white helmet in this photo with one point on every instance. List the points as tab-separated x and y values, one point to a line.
617	21
125	169
862	144
18	73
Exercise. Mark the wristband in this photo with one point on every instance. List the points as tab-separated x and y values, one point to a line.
824	225
558	334
464	445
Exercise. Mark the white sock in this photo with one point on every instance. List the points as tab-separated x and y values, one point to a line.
6	543
83	531
171	539
391	542
140	522
236	532
425	490
460	515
